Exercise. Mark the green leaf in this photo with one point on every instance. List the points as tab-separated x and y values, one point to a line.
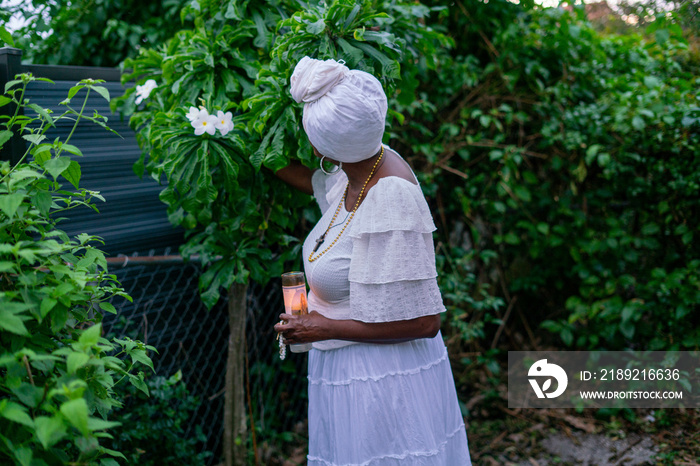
71	149
73	173
74	90
352	15
91	335
112	452
6	36
4	100
139	355
12	322
6	266
46	305
687	237
5	136
317	27
49	430
10	84
43	200
34	138
352	55
76	412
650	229
627	328
652	82
139	383
28	394
566	336
390	68
9	203
23	456
44	114
662	35
627	312
109	307
42	153
95	423
522	193
638	123
15	413
57	166
102	91
75	361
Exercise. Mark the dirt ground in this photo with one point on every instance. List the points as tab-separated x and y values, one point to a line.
561	437
595	449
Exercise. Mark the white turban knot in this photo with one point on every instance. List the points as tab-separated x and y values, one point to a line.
344	110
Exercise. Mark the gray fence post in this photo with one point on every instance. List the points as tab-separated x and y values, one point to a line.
10	65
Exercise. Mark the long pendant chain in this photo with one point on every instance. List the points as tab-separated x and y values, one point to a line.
322	238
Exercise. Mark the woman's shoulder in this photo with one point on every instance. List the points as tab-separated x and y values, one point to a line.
394	203
395	168
395	179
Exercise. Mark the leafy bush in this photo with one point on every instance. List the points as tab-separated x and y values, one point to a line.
565	164
57	373
89	33
152	430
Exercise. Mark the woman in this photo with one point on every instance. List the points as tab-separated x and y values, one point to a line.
381	390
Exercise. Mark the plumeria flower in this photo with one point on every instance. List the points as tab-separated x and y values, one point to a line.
204	123
224	122
142	92
193	114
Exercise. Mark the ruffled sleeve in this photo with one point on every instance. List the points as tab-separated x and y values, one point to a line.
392	268
328	189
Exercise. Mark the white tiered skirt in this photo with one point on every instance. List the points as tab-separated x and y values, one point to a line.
396	404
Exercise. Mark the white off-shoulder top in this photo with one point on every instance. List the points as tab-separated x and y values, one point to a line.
382	268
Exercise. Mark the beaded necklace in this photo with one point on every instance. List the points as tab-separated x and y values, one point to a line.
322	238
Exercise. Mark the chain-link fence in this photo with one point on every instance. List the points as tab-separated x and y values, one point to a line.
168	314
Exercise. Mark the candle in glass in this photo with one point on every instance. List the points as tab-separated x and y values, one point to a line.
294	292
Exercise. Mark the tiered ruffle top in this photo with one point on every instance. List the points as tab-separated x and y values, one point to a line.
382	268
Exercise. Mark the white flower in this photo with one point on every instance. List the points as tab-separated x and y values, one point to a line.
223	122
193	114
142	92
204	123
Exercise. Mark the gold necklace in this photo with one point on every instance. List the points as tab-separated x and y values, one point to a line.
322	238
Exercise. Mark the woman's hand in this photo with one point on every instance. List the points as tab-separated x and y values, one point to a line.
303	328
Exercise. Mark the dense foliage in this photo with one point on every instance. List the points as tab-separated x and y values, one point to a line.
569	162
90	33
153	426
57	373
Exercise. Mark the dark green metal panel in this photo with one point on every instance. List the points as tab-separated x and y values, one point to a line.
132	220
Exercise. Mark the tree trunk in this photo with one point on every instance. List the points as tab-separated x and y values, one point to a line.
234	405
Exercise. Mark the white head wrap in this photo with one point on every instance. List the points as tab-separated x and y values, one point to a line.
344	111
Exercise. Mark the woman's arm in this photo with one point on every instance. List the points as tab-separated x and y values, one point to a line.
315	327
297	175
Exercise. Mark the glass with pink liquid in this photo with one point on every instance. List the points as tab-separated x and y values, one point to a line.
294	292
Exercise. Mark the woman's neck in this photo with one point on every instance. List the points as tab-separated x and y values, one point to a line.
359	172
359	181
